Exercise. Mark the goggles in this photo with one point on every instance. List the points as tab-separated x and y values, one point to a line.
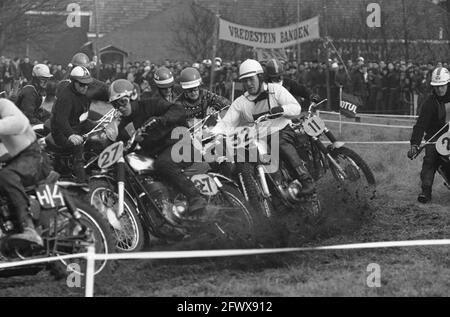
82	85
191	90
122	102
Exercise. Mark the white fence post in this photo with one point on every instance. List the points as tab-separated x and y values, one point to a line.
90	271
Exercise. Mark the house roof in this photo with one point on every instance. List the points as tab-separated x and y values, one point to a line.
113	14
112	48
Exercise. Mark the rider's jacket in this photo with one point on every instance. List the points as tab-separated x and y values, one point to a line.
30	101
296	89
247	108
207	103
16	133
66	112
432	118
170	115
97	90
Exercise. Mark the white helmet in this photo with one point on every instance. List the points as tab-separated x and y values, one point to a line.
41	70
122	88
250	68
440	77
81	74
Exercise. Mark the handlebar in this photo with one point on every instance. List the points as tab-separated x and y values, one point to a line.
132	141
419	150
313	106
266	117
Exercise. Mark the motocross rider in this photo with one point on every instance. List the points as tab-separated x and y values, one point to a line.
31	96
67	122
97	90
433	117
156	140
274	74
197	101
25	166
262	98
165	82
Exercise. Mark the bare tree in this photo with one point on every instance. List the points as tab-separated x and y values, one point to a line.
16	26
193	32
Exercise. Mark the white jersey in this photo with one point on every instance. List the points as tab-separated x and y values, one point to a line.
245	111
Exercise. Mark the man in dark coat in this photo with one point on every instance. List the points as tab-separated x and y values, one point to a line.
432	120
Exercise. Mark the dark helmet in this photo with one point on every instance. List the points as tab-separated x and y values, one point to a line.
163	78
190	78
274	68
80	59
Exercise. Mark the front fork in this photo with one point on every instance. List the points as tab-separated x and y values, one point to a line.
121	185
322	148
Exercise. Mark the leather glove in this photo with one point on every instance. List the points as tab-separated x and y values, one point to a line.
140	136
315	98
277	110
76	139
413	151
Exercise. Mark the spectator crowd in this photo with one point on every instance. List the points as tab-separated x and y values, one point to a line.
393	87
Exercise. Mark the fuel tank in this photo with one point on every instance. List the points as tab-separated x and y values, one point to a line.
140	164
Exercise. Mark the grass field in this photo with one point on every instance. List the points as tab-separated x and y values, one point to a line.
393	215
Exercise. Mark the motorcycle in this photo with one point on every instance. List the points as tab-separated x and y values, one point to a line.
66	224
265	189
139	203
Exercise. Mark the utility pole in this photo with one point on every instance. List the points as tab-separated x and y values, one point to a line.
216	40
97	66
405	28
327	50
299	57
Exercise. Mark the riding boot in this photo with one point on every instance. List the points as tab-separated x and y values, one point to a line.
78	164
197	203
80	173
425	195
308	184
28	232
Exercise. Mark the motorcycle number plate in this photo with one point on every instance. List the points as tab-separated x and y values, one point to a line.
205	184
314	126
110	155
443	144
50	196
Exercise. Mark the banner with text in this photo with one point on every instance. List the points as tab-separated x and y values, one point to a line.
349	105
270	38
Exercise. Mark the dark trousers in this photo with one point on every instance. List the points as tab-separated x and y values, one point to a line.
429	167
76	151
288	151
24	170
172	171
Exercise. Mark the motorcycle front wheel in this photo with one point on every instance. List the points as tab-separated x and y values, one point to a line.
68	236
354	171
270	232
127	229
236	224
